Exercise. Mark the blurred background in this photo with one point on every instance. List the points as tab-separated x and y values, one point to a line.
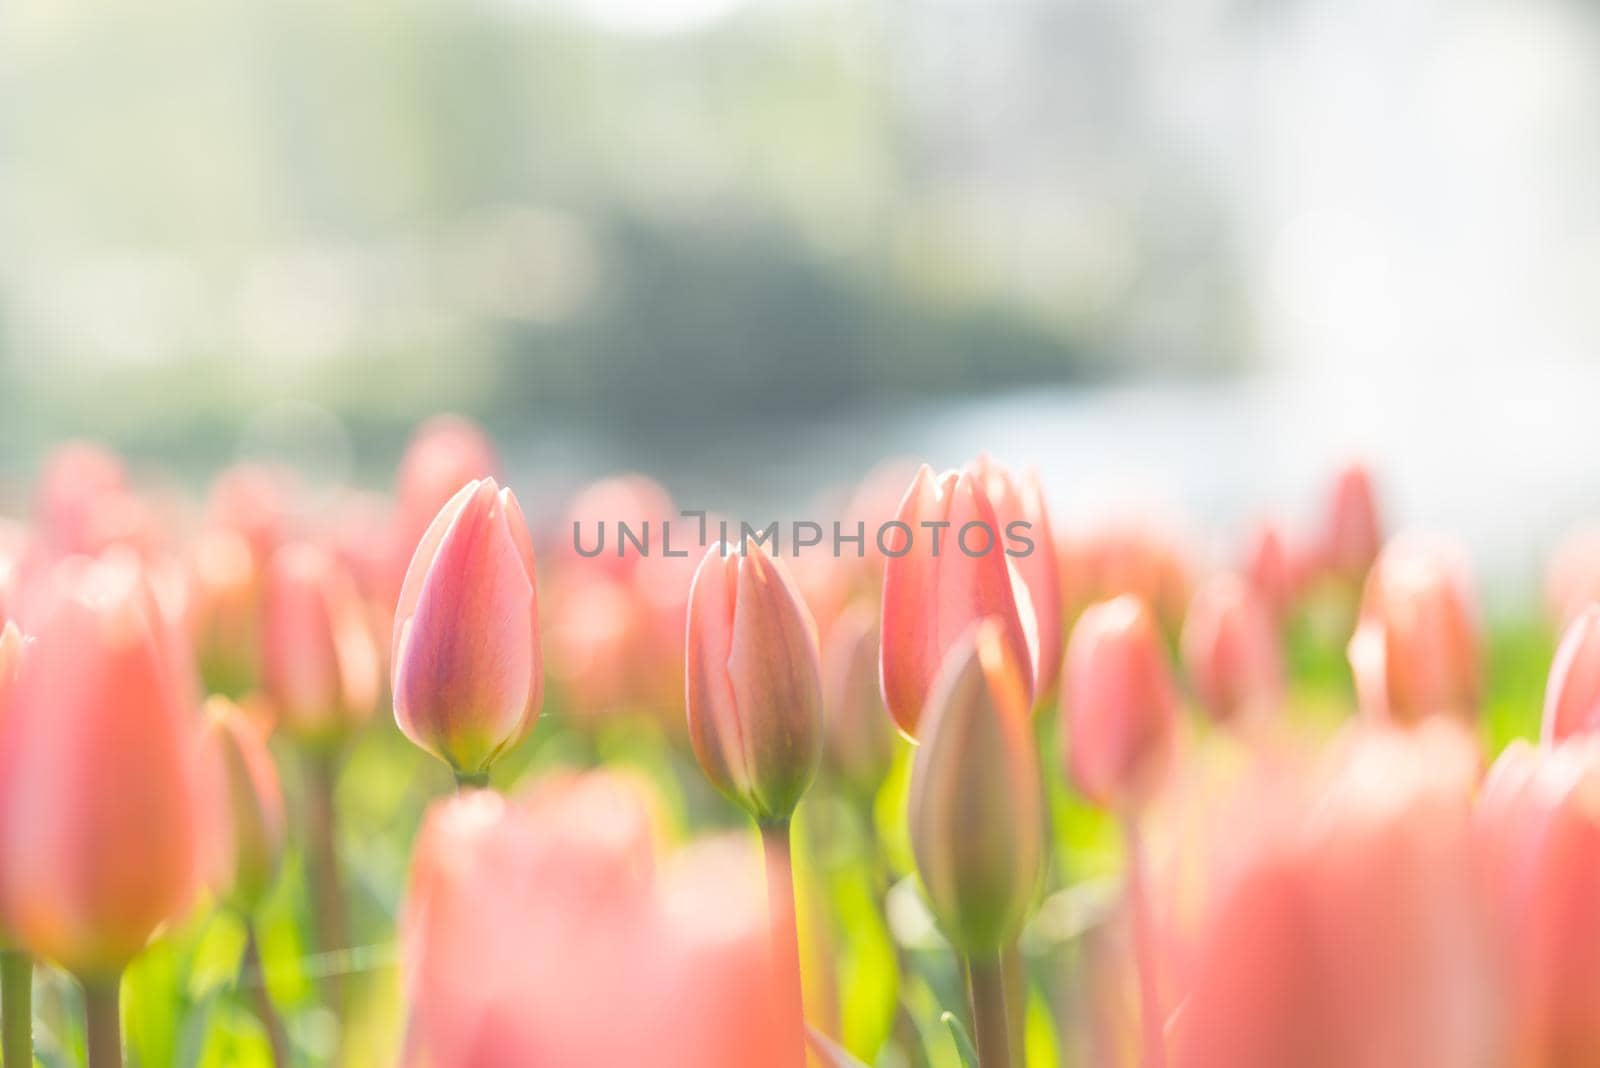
1191	253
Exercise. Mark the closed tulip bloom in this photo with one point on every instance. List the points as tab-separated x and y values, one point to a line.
1415	650
1019	499
1352	533
1270	569
1231	651
754	682
976	809
1572	696
250	817
100	794
931	598
859	742
1119	701
444	454
468	673
320	661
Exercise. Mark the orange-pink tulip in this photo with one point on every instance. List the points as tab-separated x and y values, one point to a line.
444	454
319	658
1415	651
100	791
547	931
1572	696
1352	533
754	687
1119	702
976	810
1270	569
468	672
250	824
947	569
859	736
1572	581
1020	499
1231	651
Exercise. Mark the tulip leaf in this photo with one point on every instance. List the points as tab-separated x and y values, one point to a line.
958	1031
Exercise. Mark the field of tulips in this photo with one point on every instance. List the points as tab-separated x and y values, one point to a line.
934	777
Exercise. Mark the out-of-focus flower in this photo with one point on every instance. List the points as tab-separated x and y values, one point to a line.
1138	556
858	734
1572	582
544	931
1271	570
257	502
1020	500
100	794
1538	837
444	454
1346	930
1415	650
319	656
1352	533
468	672
754	687
1119	703
951	571
12	647
250	825
225	608
976	809
1572	696
1231	651
84	505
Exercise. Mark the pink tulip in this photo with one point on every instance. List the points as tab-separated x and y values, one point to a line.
99	791
256	502
12	647
468	674
1572	582
444	454
1271	570
1572	696
1415	650
320	663
976	810
1231	651
858	745
1020	499
250	826
754	682
1538	833
1131	555
548	931
1352	533
931	598
1120	704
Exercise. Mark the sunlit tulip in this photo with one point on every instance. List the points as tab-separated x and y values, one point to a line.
444	454
1270	569
1352	533
859	736
1415	650
1538	832
1572	696
468	673
256	502
1345	930
754	682
1136	555
1019	499
225	616
320	663
546	931
100	795
250	821
976	810
1119	702
1231	651
1572	581
12	645
932	595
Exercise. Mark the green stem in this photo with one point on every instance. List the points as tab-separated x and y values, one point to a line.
785	935
16	1007
332	923
102	1017
255	978
471	780
991	1028
1016	980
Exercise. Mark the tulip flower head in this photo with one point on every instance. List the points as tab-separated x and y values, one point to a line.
468	672
251	827
976	809
1352	533
444	454
1019	499
1120	703
1231	651
1270	569
950	571
100	793
754	689
1572	696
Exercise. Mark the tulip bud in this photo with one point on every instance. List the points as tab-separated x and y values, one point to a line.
859	740
99	788
1018	501
1270	570
976	810
319	658
250	821
1352	533
1120	704
1415	649
468	674
1572	696
754	683
949	572
444	454
1231	651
